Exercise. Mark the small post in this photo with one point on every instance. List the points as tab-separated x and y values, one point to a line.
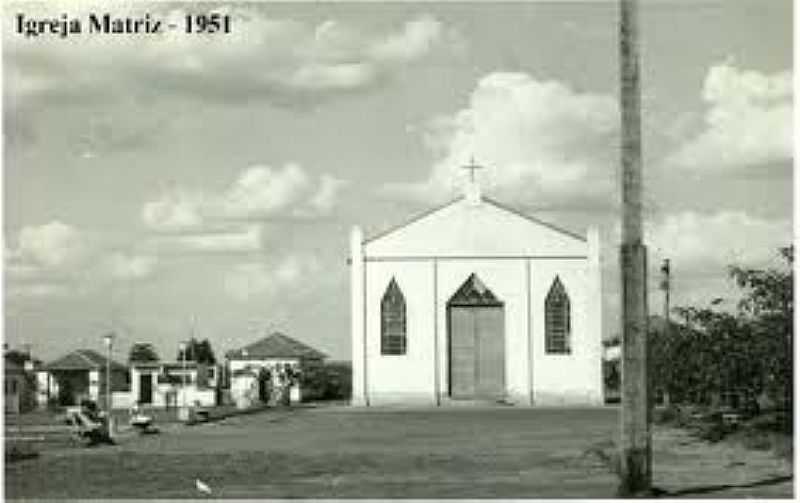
183	411
108	339
665	285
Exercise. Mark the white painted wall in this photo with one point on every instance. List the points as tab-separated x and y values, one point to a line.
464	229
94	385
566	378
405	378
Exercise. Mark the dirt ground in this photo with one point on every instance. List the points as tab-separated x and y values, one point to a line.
402	453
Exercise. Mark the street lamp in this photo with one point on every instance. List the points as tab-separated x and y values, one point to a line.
182	350
108	340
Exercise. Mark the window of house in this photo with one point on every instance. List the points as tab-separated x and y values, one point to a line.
393	321
557	319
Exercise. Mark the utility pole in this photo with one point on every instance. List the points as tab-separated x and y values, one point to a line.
665	285
635	445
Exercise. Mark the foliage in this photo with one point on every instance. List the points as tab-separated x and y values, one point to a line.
198	351
142	352
743	353
328	381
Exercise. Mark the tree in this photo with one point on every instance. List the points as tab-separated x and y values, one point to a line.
142	352
198	351
714	351
769	302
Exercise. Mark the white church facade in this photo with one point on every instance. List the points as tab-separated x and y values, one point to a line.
474	301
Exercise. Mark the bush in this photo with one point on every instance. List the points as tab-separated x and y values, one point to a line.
329	381
712	432
667	415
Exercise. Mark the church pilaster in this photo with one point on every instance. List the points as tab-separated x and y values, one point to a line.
357	314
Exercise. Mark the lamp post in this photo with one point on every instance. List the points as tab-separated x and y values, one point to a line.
108	340
183	413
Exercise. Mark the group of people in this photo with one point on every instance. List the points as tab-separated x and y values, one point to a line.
275	385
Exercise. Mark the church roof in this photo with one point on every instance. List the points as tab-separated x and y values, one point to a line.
484	228
83	359
275	345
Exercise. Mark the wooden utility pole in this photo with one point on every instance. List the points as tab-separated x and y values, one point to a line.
665	285
635	445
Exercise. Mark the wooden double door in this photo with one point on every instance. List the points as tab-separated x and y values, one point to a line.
477	351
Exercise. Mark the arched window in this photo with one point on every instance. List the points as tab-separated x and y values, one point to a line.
557	319
393	321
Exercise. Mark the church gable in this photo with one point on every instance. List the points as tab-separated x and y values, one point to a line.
486	228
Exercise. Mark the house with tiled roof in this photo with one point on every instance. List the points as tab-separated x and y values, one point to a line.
254	370
78	375
19	390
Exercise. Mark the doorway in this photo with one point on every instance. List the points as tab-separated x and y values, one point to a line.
476	336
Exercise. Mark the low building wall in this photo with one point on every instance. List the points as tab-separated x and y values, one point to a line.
122	400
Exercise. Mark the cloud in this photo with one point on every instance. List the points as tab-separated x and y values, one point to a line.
748	121
326	196
243	240
261	191
415	40
258	193
130	267
57	258
175	211
540	140
253	279
708	243
283	61
51	245
37	290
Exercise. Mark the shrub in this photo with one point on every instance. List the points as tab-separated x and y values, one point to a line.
667	415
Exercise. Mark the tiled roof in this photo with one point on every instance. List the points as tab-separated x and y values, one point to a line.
276	345
82	359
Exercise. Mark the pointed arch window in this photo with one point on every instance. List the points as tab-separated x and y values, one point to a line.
557	319
393	321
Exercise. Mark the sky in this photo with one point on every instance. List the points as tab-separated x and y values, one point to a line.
176	185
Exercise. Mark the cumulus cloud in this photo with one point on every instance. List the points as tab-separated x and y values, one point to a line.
748	121
708	243
175	211
57	258
538	139
259	192
251	279
51	245
284	61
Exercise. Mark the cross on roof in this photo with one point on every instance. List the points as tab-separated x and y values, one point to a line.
472	166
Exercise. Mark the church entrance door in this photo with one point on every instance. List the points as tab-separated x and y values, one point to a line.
476	342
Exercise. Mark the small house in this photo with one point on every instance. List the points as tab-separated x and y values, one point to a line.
19	382
256	368
171	384
79	375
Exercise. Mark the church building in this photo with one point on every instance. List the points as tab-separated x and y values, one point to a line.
476	302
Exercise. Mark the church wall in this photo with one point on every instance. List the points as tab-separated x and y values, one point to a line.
506	278
573	378
405	378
